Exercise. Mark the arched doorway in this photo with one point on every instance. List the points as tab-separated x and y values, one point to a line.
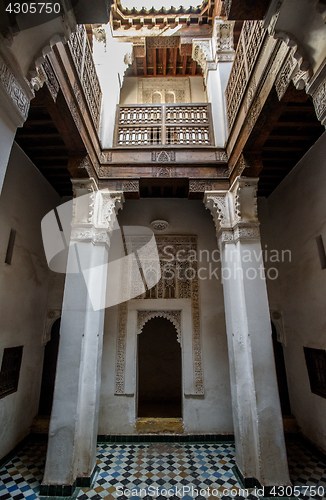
159	370
281	374
49	370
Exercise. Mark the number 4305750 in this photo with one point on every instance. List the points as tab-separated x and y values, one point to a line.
33	8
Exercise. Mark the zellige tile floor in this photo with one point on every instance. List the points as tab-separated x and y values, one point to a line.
161	470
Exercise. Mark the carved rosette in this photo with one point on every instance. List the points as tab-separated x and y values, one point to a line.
94	212
235	211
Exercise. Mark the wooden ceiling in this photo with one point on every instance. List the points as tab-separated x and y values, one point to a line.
166	61
285	131
40	140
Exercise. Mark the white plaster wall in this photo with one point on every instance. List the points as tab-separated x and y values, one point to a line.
197	90
297	214
217	100
26	197
7	134
210	413
128	94
110	65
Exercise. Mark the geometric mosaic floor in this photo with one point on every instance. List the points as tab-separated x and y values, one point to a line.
161	470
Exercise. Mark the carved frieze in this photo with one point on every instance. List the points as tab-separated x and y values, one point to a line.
159	42
168	89
105	157
319	98
221	156
121	349
13	90
163	156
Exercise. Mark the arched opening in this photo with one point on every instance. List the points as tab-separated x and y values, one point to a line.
159	370
281	374
49	370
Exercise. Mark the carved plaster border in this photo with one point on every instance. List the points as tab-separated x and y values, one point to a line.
174	316
196	337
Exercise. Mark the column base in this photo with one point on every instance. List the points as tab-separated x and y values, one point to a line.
67	490
265	491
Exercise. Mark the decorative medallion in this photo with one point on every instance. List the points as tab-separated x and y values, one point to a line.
159	225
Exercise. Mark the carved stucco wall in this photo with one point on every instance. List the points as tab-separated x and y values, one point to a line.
137	90
174	286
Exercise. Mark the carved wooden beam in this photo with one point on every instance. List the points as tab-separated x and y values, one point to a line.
184	65
175	55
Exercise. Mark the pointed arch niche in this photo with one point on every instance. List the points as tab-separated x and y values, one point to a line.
133	315
159	365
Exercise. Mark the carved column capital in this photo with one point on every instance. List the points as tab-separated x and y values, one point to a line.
203	53
94	212
235	211
218	204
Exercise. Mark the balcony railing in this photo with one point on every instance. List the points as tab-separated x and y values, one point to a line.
81	52
250	41
164	125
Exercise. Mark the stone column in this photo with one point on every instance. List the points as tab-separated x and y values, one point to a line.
71	456
257	418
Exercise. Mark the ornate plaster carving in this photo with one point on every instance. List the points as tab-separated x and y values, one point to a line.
159	225
319	98
121	349
173	316
277	318
173	287
14	93
179	87
51	316
202	52
93	212
235	211
223	37
216	202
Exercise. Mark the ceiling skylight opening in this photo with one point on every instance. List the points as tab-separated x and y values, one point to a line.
159	4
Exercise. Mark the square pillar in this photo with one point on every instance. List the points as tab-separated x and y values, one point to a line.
71	455
258	427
